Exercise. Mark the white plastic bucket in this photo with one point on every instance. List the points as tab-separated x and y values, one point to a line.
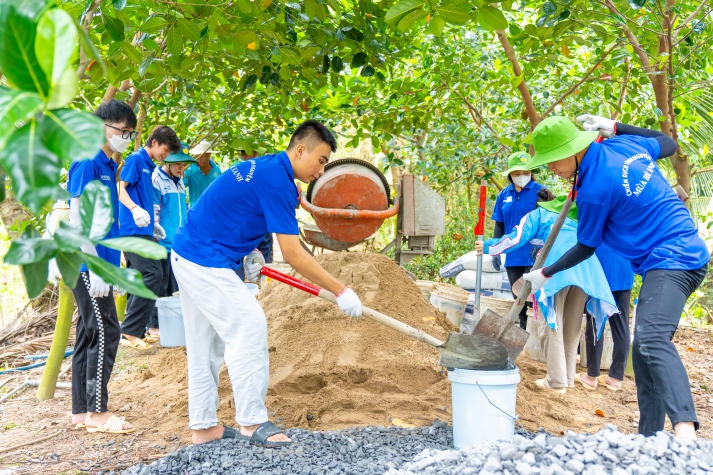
170	321
483	405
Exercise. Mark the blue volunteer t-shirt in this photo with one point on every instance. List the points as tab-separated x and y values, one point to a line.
137	171
618	271
197	182
510	207
233	215
625	201
100	168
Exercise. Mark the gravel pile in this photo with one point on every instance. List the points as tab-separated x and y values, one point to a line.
428	450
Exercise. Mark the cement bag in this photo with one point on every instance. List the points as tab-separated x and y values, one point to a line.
537	340
488	280
469	261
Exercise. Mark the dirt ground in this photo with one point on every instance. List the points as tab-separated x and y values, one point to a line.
326	372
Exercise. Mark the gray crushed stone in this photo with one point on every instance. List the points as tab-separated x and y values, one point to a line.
429	450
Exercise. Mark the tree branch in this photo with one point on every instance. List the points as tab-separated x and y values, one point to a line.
581	81
517	70
84	61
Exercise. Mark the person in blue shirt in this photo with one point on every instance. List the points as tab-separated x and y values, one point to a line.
98	332
223	321
626	203
201	174
620	277
136	219
169	209
513	202
562	300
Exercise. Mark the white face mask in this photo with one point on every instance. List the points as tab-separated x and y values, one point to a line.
521	180
119	144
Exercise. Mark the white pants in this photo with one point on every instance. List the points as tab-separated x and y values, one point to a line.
223	321
561	346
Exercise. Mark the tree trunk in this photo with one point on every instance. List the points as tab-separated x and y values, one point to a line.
65	309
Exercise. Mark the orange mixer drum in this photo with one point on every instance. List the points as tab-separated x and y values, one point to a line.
350	201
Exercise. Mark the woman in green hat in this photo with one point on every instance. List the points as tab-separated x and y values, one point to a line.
625	201
513	203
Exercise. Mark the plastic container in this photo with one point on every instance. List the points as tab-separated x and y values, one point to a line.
170	321
450	300
483	405
469	261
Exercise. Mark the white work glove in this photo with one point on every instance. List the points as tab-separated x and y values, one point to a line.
158	231
253	262
536	279
606	127
349	303
97	286
141	217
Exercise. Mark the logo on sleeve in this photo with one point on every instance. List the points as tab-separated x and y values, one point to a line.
105	178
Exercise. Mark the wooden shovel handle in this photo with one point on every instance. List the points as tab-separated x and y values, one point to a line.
369	312
540	260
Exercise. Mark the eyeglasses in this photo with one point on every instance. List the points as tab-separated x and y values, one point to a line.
125	134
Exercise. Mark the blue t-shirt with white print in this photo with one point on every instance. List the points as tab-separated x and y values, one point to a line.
137	171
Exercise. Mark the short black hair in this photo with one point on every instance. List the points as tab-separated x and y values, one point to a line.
117	112
313	129
165	136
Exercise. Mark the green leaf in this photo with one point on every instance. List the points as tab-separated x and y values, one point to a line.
401	8
128	279
549	8
29	251
436	25
143	247
114	26
95	210
18	61
337	64
315	9
72	134
56	48
454	11
410	19
35	275
69	264
367	71
491	18
69	238
359	60
118	5
15	108
33	168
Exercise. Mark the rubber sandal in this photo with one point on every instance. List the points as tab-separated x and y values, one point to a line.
113	425
263	432
544	384
578	377
149	338
79	426
610	387
137	344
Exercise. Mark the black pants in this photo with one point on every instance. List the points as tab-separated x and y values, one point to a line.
168	287
97	341
619	325
662	384
139	310
515	273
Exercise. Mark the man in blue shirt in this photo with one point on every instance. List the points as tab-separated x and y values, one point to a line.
98	333
136	197
169	208
223	321
513	203
624	201
201	174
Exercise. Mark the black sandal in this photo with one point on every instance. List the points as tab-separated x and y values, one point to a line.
263	432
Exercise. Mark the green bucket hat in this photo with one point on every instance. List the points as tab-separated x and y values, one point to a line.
518	161
556	206
180	156
557	138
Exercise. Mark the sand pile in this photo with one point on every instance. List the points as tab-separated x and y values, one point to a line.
328	371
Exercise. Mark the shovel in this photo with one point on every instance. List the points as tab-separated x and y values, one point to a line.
502	328
467	324
459	351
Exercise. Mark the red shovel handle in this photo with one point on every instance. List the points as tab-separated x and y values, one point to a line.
289	280
480	226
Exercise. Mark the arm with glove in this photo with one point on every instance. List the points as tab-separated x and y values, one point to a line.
97	286
608	128
140	215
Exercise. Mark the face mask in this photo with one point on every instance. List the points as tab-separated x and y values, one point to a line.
521	180
118	144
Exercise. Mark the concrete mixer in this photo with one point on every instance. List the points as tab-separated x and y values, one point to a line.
350	202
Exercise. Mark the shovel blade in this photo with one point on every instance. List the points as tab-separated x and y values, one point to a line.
509	334
473	352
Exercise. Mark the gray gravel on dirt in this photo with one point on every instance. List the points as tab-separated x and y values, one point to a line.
428	450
